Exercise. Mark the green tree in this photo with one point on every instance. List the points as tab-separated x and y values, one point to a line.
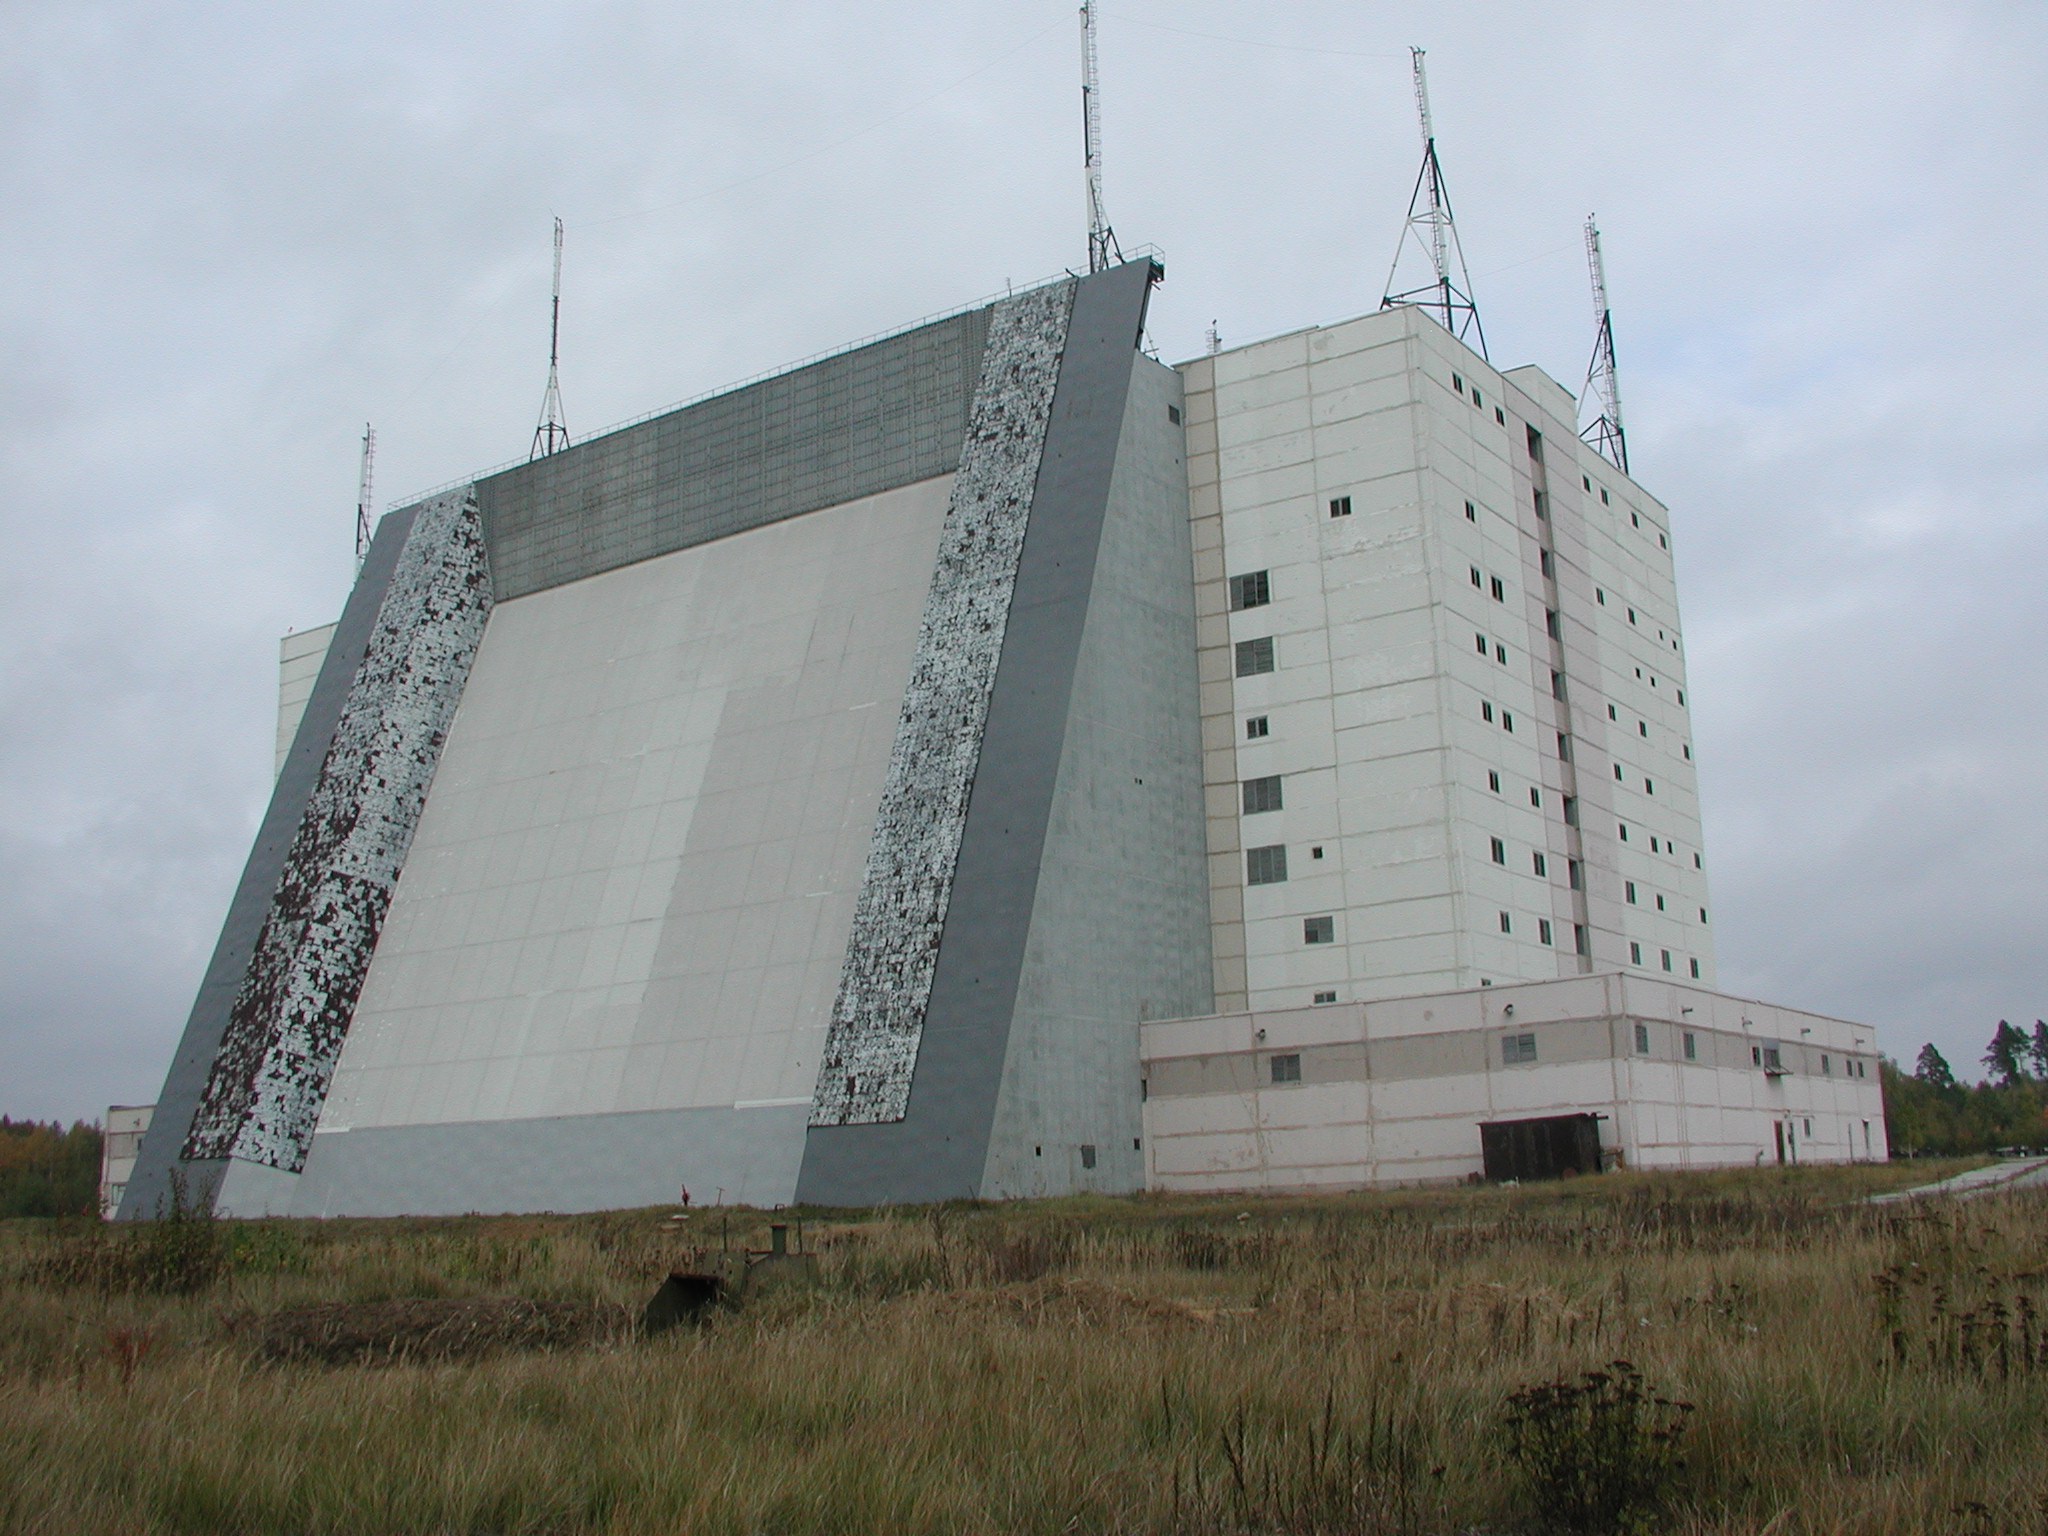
1932	1068
2037	1049
2006	1056
46	1170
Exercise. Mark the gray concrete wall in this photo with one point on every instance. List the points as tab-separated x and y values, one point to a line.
865	421
1120	924
939	1149
149	1187
562	1163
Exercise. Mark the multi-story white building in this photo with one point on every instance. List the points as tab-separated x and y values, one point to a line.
1444	700
1446	749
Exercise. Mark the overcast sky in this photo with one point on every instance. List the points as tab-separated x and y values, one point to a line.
235	232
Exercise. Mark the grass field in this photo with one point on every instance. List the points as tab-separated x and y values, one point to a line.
1144	1365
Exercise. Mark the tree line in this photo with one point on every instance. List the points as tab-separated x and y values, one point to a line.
46	1170
1931	1110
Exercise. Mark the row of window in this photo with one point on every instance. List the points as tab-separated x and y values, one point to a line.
1635	957
1629	892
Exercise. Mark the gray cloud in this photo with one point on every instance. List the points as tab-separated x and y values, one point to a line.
237	231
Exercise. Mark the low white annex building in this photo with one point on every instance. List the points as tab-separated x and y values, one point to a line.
1516	1081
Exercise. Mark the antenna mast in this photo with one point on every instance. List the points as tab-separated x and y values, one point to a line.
363	497
551	436
1103	251
1431	226
1605	433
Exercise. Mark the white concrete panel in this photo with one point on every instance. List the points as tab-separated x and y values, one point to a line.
632	884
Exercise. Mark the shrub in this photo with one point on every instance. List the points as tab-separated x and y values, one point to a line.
1599	1454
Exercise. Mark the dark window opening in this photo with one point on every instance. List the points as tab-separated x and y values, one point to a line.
1087	1155
1254	656
1265	866
1257	726
1285	1069
1253	590
1340	506
1261	794
1319	930
1173	414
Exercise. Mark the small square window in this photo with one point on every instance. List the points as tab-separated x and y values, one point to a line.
1695	970
1586	481
1173	414
1087	1155
1500	851
1486	711
1603	496
1253	590
1340	506
1481	642
1265	866
1507	721
1642	1039
1257	726
1493	780
1262	794
1692	1047
1287	1068
1254	656
1319	930
1517	1049
1316	852
1458	383
1667	959
1498	414
1471	513
1539	863
1475	395
1507	923
1477	579
1500	653
1326	997
1543	930
1500	592
1635	954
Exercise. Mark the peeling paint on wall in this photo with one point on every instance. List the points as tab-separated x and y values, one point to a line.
270	1076
878	1019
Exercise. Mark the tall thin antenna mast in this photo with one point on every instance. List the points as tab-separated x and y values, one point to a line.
1431	226
363	497
551	436
1605	433
1103	251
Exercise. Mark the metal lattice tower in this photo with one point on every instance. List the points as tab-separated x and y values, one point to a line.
363	496
1103	251
1431	226
1605	434
551	436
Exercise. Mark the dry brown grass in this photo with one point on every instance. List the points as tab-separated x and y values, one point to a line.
1146	1365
